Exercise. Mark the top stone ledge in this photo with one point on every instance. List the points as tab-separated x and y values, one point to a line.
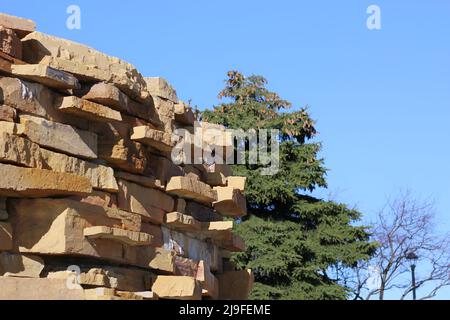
21	26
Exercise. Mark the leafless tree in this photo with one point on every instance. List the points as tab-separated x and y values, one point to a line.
405	225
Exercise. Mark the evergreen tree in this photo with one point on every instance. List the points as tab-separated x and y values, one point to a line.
293	240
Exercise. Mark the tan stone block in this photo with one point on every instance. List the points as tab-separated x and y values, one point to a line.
161	88
209	283
218	230
202	213
32	289
98	198
184	114
20	266
20	151
101	177
11	128
131	238
152	204
123	154
216	179
87	109
147	295
145	181
7	113
237	183
180	205
230	202
179	221
20	26
179	288
26	182
6	236
45	75
189	188
100	294
55	227
60	137
163	260
154	138
42	48
235	244
235	285
35	99
109	95
162	168
10	43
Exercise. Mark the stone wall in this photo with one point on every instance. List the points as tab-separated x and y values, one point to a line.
91	204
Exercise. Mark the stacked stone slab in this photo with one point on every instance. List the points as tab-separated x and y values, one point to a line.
91	204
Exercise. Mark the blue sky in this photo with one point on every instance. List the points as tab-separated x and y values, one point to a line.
381	98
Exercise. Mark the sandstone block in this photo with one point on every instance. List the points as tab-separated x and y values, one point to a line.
235	285
189	188
45	75
180	288
20	266
218	230
154	138
60	137
161	88
38	46
150	203
20	151
31	289
101	177
162	168
209	283
145	181
11	128
237	183
201	212
28	182
179	221
10	43
235	244
6	236
230	202
109	95
7	113
35	99
98	198
131	238
89	110
216	179
184	114
20	26
124	154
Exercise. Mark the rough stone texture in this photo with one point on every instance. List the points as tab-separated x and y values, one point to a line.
152	204
179	221
6	236
123	154
11	128
235	285
154	138
101	177
10	42
159	87
38	46
166	113
218	230
162	168
216	179
20	266
87	109
60	137
235	244
7	113
180	288
209	283
145	181
184	114
189	188
230	202
32	289
34	99
45	75
109	95
27	182
20	151
131	238
98	198
201	212
20	26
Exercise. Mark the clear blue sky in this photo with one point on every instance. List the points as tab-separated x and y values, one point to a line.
381	98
